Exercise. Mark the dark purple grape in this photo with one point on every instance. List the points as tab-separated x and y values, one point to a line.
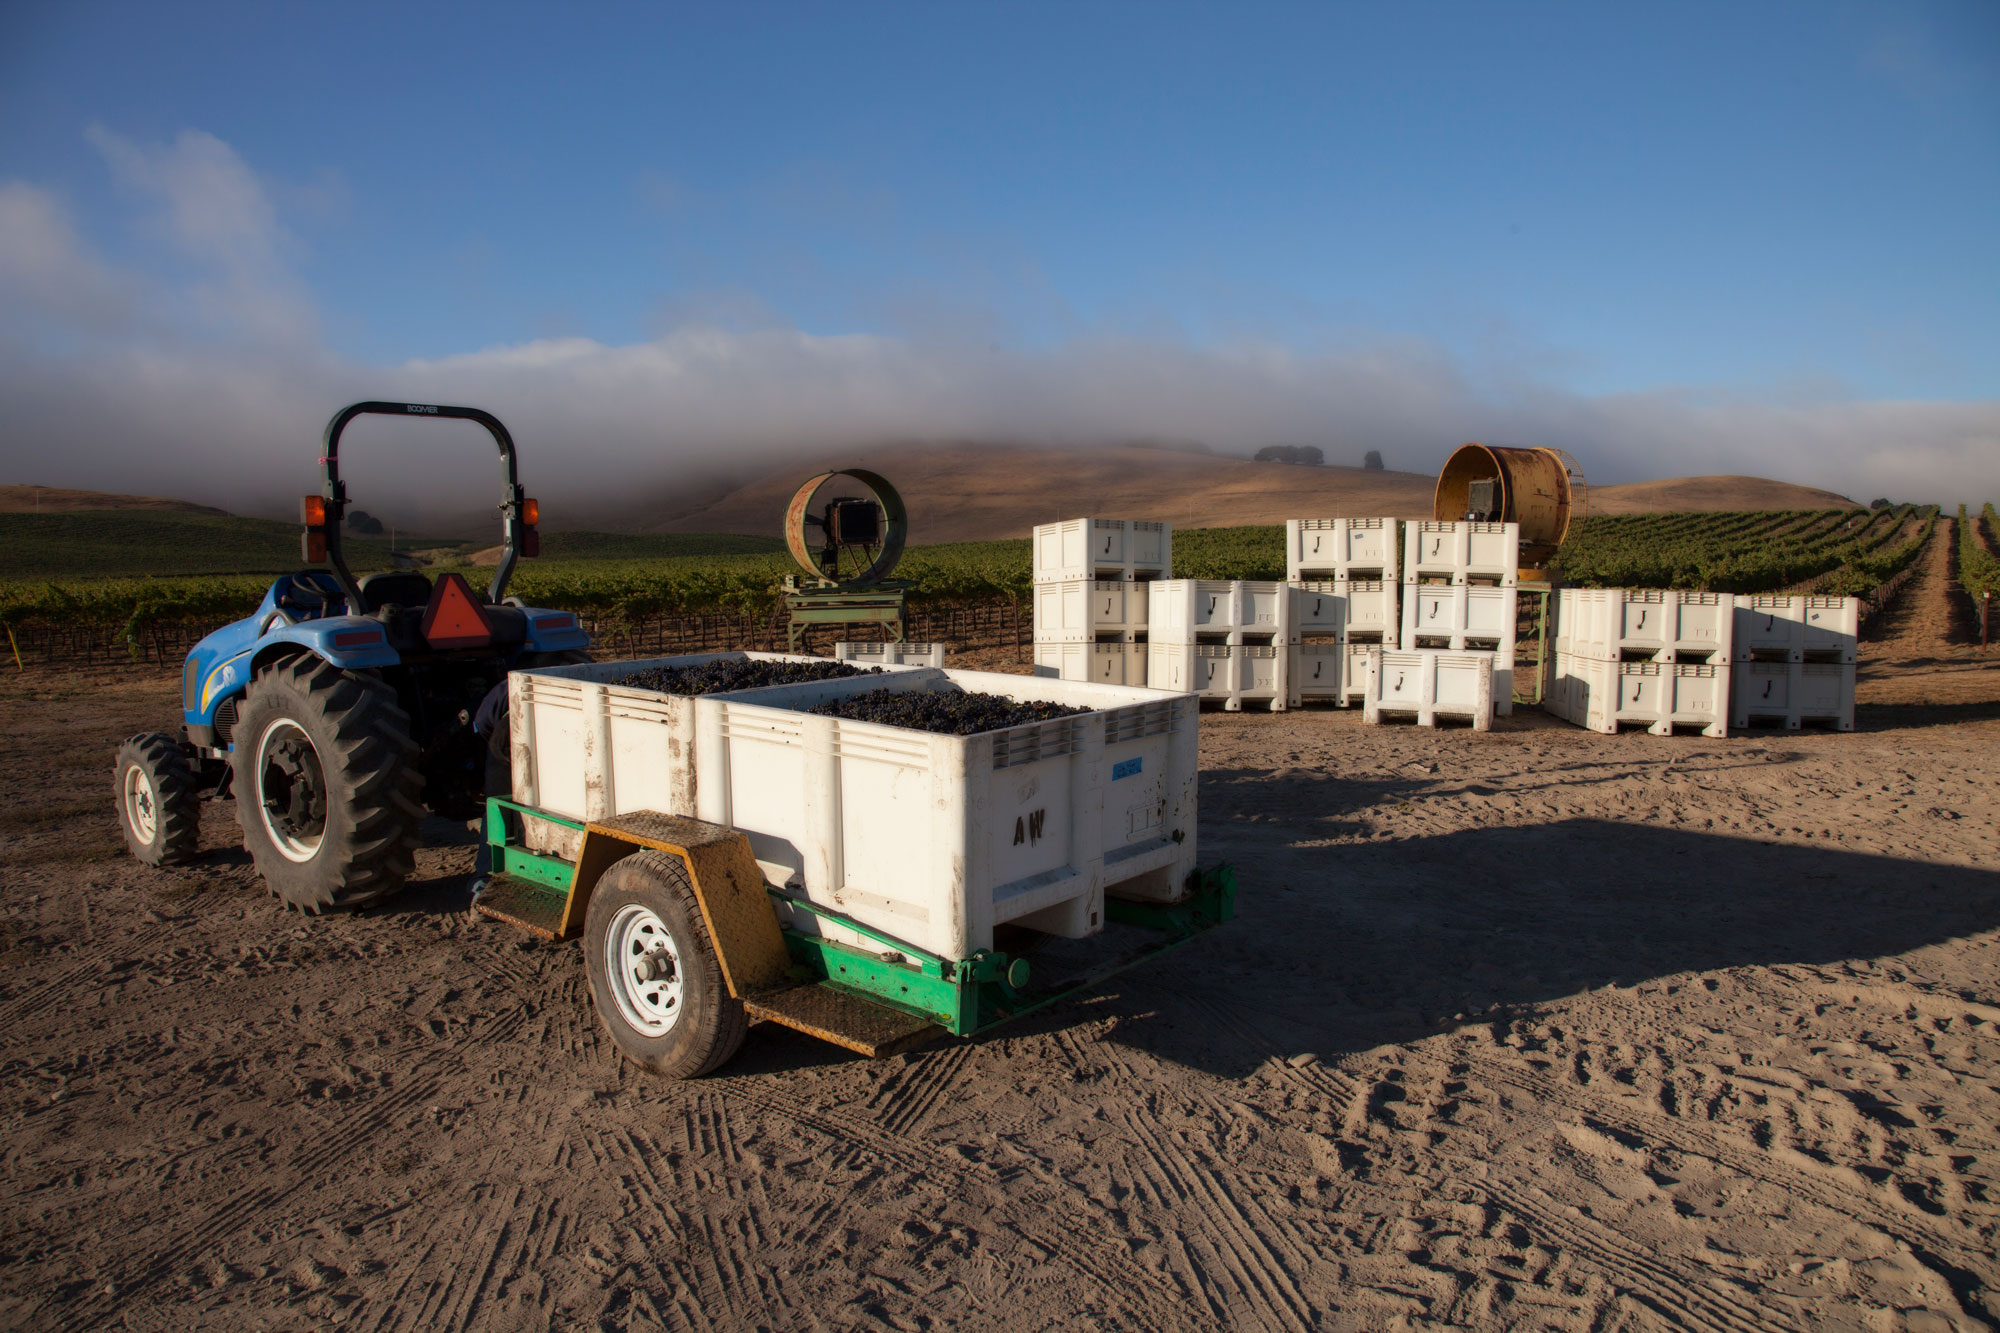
947	712
725	674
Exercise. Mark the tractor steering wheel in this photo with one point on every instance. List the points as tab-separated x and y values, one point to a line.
302	596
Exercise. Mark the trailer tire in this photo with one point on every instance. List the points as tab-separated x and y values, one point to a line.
333	749
159	810
654	975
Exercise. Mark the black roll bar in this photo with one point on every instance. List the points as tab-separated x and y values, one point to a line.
334	490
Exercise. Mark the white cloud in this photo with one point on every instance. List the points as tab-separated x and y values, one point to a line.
216	211
47	273
229	408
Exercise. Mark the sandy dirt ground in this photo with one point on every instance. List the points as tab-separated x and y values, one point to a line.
1534	1028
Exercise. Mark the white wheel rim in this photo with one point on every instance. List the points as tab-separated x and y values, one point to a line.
637	949
290	846
142	805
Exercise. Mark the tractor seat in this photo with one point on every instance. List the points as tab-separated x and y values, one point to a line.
404	587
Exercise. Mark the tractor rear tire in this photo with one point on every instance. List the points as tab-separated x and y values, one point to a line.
654	975
159	810
327	786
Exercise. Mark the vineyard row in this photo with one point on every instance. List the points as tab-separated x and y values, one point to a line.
688	603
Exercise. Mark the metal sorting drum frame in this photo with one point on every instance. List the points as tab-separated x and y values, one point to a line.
937	839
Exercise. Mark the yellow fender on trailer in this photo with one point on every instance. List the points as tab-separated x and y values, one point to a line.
727	883
741	920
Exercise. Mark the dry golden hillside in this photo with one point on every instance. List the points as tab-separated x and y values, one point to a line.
980	492
57	500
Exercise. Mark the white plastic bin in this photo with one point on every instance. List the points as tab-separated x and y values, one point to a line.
937	839
1602	695
1184	610
1790	694
1229	674
1108	662
1103	548
585	747
1462	550
1793	628
1354	667
1319	608
1315	671
890	654
1080	610
1341	548
1659	624
1429	684
1458	612
1373	608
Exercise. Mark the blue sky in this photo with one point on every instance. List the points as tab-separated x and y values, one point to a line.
1621	222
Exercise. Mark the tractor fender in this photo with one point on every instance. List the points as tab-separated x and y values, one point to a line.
221	667
352	643
551	631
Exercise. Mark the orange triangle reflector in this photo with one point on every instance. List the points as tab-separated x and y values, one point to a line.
454	618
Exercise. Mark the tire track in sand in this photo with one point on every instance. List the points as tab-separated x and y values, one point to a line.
246	1207
1619	1261
1077	1242
1680	1135
1261	1254
1681	1293
917	1094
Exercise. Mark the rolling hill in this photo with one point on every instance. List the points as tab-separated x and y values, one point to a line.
57	500
985	492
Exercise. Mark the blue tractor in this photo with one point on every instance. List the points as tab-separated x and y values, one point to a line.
343	709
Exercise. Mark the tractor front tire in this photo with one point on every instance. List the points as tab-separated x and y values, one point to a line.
654	975
159	810
327	787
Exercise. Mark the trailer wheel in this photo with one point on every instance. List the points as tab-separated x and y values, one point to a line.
327	786
654	975
158	807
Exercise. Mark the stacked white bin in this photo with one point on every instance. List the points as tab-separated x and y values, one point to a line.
1652	657
1795	661
1103	548
1460	551
1340	549
1460	593
1225	639
1344	576
1090	596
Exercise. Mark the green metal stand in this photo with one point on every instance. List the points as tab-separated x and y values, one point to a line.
964	996
884	603
1543	595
